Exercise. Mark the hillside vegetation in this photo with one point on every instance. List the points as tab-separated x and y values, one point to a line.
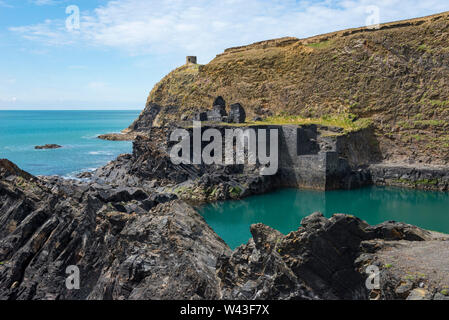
395	78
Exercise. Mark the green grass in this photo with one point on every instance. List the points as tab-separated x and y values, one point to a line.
425	48
423	182
320	45
435	103
430	122
346	121
182	190
235	192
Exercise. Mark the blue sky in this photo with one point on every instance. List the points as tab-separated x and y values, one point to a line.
122	48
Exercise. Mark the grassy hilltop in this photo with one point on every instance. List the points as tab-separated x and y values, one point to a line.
395	79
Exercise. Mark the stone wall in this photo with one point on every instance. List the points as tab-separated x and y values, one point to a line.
304	160
416	177
360	148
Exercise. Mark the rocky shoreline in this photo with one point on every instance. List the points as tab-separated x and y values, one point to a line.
136	243
130	229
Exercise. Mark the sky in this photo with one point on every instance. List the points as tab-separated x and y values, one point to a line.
99	54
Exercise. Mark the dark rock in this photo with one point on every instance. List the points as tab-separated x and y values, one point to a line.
119	136
408	176
7	169
146	119
439	296
48	146
392	230
219	102
319	257
84	175
121	251
201	116
404	289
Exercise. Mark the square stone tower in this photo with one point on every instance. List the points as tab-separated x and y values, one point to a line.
191	59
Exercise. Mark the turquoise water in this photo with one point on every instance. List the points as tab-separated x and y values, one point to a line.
76	131
284	210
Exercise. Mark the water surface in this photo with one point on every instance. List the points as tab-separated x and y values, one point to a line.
284	210
76	131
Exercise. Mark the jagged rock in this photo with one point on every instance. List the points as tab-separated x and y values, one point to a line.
7	169
440	296
419	294
119	136
84	175
319	257
166	253
136	242
392	230
146	119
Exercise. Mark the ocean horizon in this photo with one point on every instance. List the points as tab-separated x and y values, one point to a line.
76	131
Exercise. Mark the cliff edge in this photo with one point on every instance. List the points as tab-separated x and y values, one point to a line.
395	77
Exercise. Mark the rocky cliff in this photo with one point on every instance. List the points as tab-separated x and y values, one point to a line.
395	77
136	243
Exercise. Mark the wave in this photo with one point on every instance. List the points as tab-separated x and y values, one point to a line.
101	153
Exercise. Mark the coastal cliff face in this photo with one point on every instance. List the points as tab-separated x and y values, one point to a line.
395	77
129	230
136	243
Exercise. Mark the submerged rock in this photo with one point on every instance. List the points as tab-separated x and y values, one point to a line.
48	146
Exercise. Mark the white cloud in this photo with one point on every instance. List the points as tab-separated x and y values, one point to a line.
205	28
45	2
4	4
8	100
50	32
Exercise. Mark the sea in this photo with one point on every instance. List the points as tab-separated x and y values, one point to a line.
76	131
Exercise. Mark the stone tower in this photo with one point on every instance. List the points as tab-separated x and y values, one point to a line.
191	59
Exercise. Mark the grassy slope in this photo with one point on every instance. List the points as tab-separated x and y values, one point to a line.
397	77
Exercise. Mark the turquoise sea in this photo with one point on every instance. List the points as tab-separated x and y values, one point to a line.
76	131
284	210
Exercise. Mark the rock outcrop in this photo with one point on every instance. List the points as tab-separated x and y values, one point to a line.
127	244
328	259
396	77
136	243
48	146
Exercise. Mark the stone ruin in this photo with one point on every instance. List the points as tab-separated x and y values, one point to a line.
191	59
218	113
